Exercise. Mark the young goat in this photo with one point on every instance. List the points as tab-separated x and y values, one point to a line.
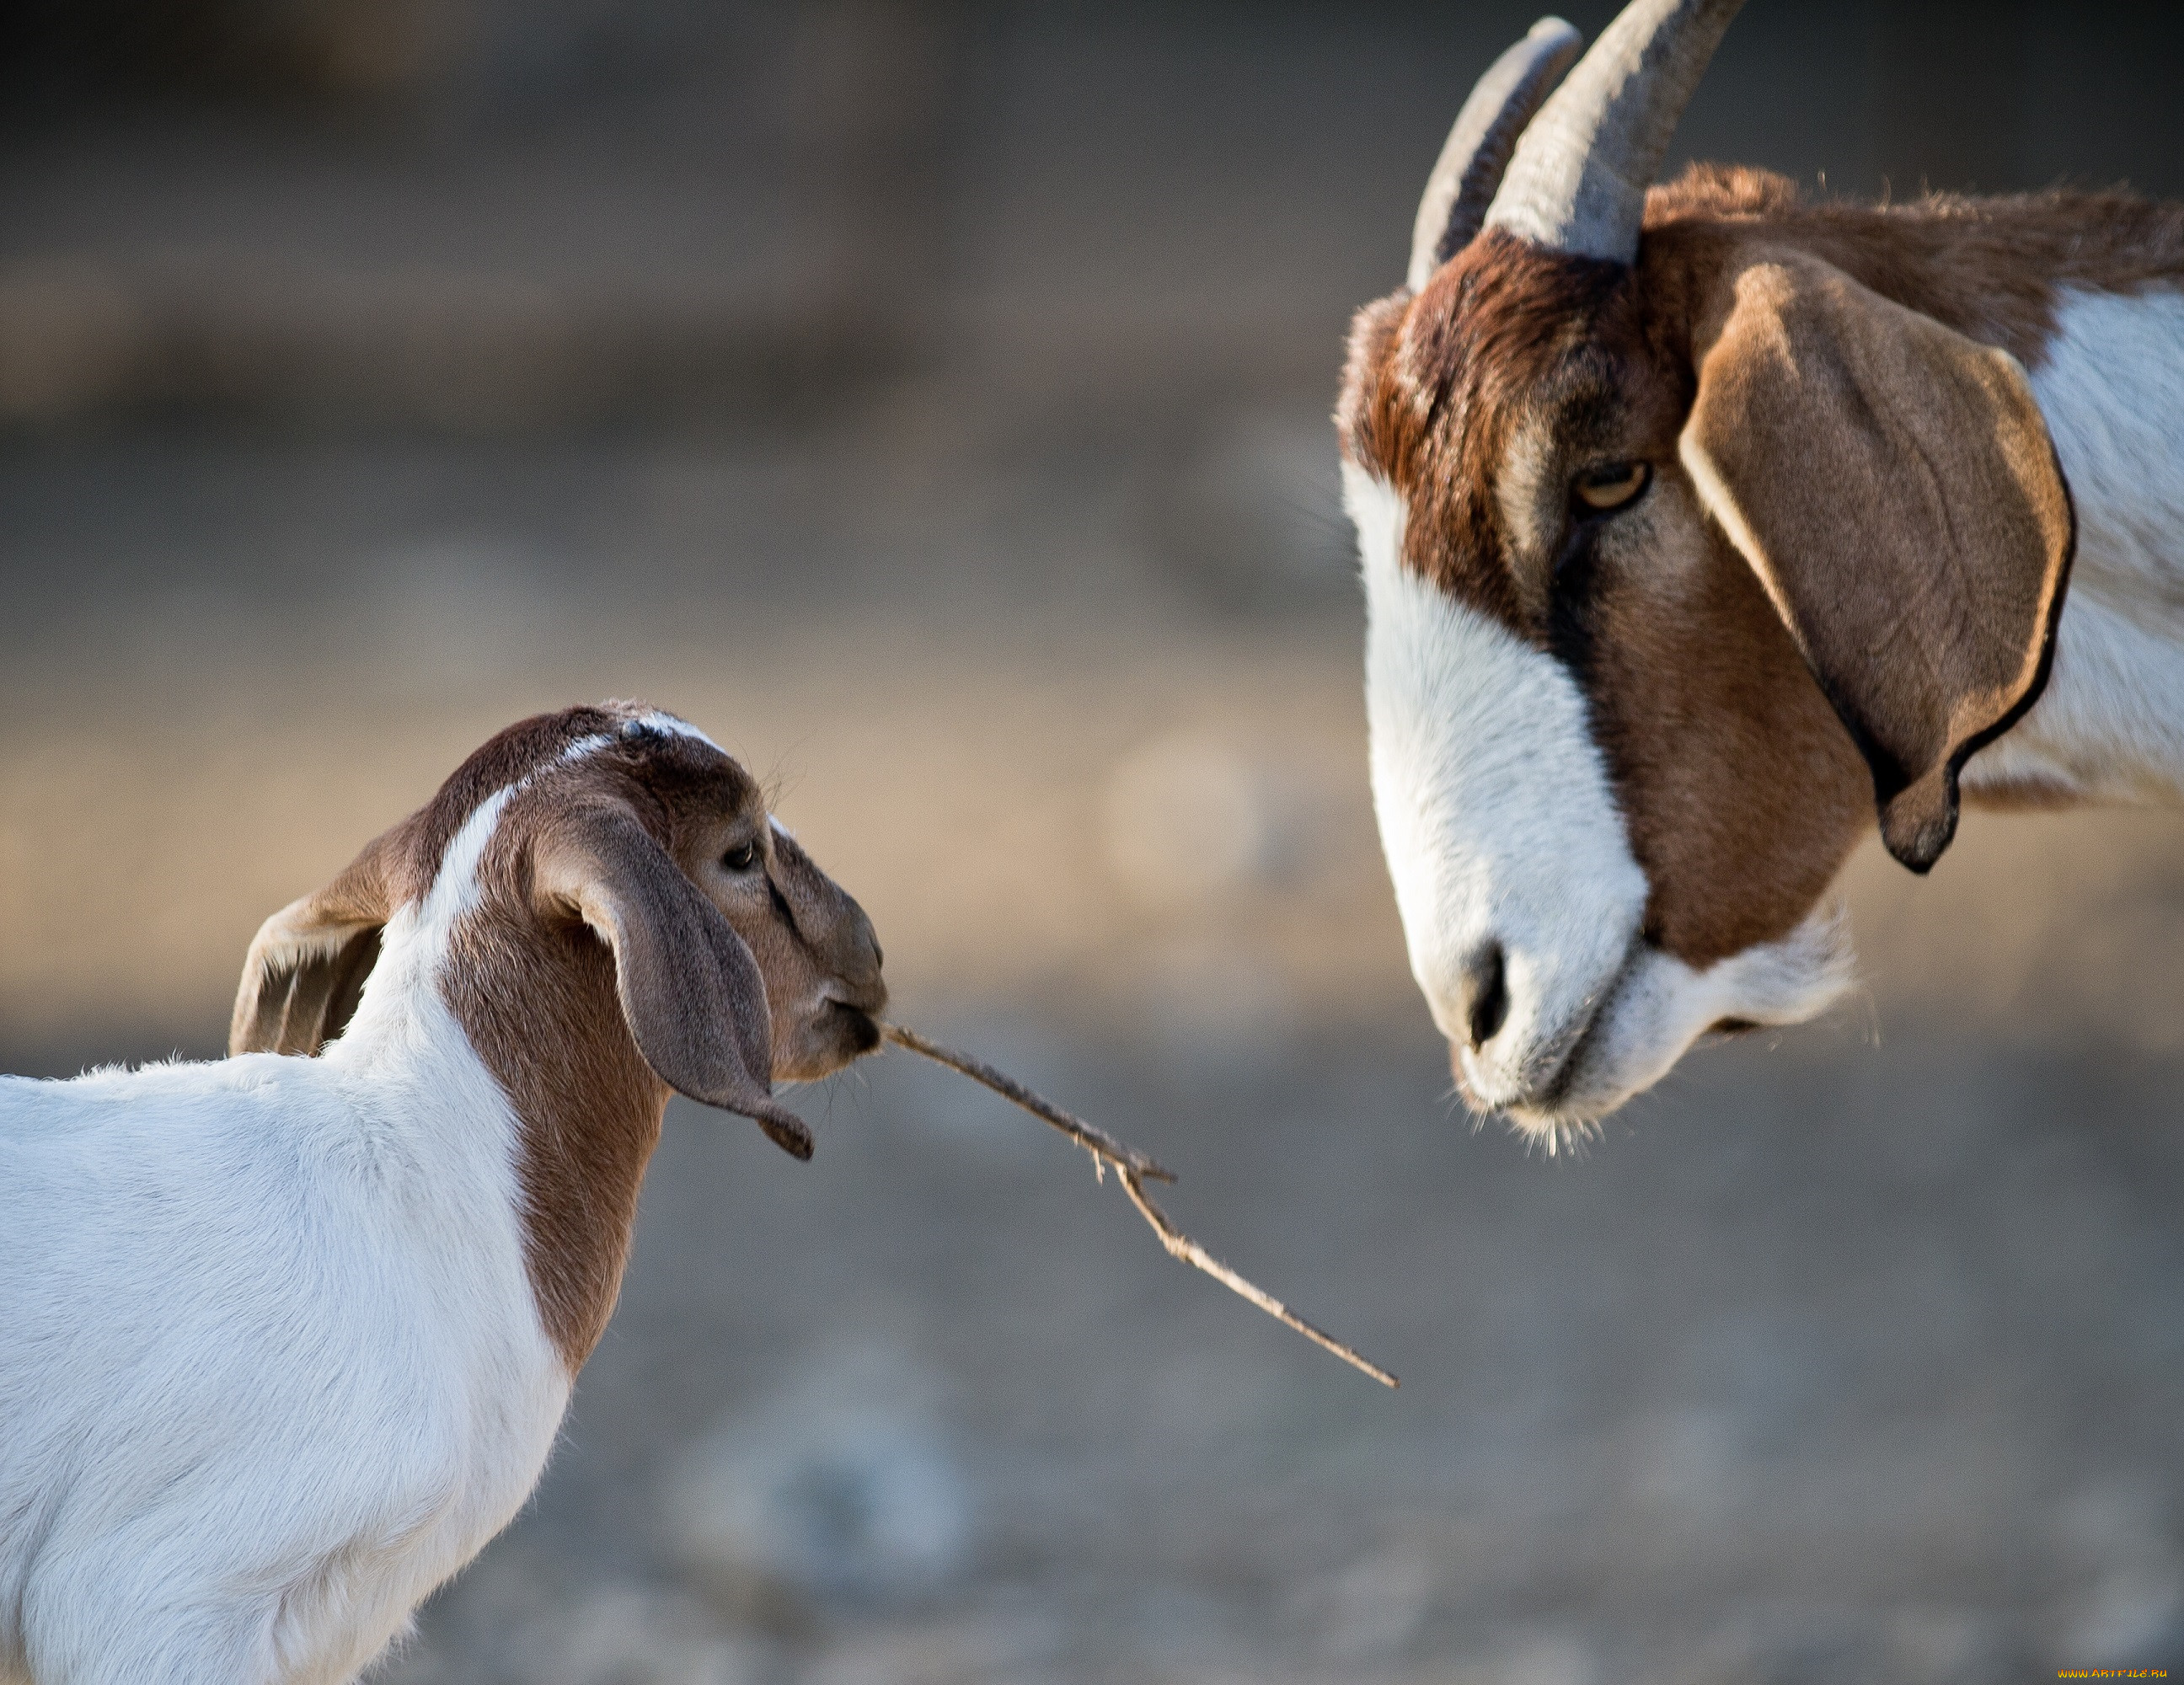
284	1340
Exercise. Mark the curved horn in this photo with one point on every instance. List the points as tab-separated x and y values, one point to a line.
1578	181
1464	181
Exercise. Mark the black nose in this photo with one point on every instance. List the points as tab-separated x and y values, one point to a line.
863	1030
1486	994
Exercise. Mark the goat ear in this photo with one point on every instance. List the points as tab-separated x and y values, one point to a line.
306	969
1893	486
689	989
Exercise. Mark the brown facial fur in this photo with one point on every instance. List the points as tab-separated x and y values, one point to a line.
534	988
1482	397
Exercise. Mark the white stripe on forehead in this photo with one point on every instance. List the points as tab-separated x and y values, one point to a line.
575	750
675	728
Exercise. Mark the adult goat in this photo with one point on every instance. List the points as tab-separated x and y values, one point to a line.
1701	523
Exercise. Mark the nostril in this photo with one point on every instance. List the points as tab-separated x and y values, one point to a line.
1486	982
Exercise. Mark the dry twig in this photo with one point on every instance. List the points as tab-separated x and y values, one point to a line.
1132	1168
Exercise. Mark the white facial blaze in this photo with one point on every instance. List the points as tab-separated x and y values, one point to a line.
675	727
1501	826
1494	806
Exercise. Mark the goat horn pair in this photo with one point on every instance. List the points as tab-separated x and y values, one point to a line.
1572	178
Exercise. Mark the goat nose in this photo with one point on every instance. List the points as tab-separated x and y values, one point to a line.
1484	993
861	957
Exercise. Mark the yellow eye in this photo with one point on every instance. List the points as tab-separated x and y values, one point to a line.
1612	484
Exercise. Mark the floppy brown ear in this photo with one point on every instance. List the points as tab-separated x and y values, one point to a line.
1893	486
689	989
306	968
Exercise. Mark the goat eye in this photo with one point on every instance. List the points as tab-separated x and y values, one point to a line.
1612	484
741	858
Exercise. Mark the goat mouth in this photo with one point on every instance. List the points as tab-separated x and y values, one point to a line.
833	1035
1545	1101
855	1026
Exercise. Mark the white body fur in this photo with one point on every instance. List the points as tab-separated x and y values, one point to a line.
2110	725
1505	824
240	1294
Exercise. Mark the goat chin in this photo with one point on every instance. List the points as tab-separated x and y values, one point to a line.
1658	1006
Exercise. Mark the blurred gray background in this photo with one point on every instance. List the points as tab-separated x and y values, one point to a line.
929	399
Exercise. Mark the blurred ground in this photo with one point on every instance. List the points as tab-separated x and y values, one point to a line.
929	401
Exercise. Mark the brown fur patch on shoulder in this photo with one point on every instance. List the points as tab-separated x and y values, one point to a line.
538	1001
540	1009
